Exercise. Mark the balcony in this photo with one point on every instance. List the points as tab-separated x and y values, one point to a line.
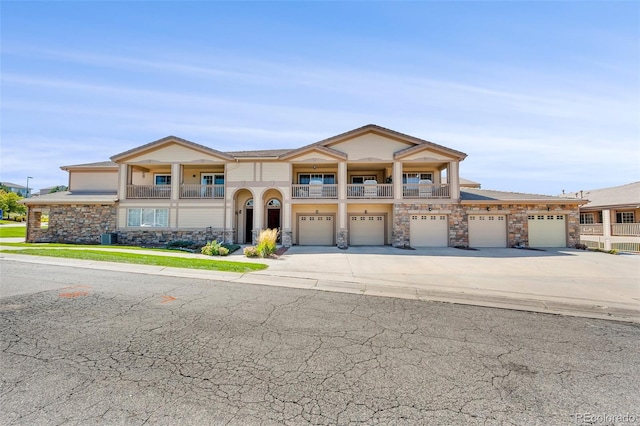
591	229
425	190
314	191
369	190
625	229
617	229
195	191
149	191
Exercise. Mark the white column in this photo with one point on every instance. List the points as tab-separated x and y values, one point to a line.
606	228
258	211
342	180
454	180
397	180
175	181
123	180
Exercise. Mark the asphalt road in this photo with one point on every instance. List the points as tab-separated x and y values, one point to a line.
95	347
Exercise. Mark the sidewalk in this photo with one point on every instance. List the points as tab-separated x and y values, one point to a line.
567	282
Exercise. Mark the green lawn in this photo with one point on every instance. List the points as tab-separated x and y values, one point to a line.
145	259
76	246
12	231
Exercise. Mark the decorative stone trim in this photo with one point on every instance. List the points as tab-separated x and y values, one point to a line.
74	223
342	239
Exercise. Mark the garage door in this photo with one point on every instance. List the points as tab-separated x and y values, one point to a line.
430	230
316	230
547	230
487	231
366	230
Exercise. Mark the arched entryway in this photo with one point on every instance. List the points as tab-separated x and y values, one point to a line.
248	221
274	213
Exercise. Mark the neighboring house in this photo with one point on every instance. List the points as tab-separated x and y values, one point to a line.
611	218
18	189
47	190
368	186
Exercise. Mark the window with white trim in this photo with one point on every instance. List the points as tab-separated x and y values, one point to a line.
625	217
586	218
362	179
325	178
162	179
416	177
148	217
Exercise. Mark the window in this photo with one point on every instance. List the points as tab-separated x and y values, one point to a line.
325	178
586	218
210	179
624	217
148	217
162	179
273	203
416	177
362	179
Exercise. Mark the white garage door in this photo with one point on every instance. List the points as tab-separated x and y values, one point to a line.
316	230
547	230
366	230
487	230
430	230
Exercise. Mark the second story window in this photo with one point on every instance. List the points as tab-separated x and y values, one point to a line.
325	178
416	177
162	179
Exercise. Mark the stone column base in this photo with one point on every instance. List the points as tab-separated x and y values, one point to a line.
285	238
342	239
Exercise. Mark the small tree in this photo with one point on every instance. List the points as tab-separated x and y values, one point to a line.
9	203
59	188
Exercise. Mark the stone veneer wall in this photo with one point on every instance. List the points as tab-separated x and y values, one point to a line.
73	223
517	221
139	237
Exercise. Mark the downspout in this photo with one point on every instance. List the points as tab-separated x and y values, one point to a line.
224	214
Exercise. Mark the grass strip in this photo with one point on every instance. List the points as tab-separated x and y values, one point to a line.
146	259
88	246
13	231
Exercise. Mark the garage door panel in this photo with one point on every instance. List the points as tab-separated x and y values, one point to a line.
316	230
487	231
429	231
547	230
366	230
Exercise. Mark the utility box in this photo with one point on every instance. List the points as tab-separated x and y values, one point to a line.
109	239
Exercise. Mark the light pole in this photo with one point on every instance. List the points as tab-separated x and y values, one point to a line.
27	194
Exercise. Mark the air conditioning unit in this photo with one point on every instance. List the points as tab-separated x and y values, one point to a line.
109	239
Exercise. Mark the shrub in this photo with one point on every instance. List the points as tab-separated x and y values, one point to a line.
230	247
251	251
212	248
267	242
223	251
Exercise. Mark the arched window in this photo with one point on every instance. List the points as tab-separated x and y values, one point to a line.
249	202
273	203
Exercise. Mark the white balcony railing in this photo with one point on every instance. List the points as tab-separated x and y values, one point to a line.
626	229
195	191
591	229
148	191
370	190
302	191
425	190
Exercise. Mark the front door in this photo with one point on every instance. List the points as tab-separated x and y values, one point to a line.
248	235
273	220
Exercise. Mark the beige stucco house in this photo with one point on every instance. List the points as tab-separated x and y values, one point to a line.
368	186
611	218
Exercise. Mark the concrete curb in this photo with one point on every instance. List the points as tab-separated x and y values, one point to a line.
475	297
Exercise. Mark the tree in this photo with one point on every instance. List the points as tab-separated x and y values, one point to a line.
59	188
9	203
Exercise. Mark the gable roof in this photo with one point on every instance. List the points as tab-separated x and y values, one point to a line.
615	196
490	196
383	131
97	165
13	185
168	140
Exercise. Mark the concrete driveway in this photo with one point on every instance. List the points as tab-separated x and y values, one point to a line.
548	279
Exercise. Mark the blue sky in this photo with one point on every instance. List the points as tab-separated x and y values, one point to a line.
542	96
